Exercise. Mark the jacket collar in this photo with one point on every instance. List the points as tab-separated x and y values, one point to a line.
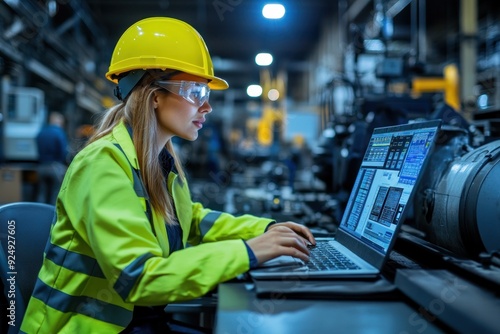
121	135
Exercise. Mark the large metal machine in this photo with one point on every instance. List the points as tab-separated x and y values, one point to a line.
23	117
457	206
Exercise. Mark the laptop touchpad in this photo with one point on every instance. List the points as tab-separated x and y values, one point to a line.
283	260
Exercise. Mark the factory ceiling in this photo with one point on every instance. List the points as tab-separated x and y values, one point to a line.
235	30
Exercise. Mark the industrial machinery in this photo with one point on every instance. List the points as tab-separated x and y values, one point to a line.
457	205
24	116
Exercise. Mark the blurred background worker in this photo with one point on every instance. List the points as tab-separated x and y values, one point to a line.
52	147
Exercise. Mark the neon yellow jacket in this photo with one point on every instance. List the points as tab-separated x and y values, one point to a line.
104	257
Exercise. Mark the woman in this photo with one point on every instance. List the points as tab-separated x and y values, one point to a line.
128	239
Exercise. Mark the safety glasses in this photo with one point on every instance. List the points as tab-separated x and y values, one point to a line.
194	92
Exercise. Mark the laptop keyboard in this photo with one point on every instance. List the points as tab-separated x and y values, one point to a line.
325	257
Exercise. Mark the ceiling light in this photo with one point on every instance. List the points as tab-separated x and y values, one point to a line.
273	94
254	90
264	59
273	11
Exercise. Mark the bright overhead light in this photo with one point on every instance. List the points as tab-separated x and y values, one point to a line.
273	94
264	59
254	90
273	11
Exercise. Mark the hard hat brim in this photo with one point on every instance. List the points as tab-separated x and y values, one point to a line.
216	83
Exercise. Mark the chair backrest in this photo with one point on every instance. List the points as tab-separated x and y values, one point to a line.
24	230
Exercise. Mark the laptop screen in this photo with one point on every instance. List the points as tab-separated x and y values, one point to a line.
388	174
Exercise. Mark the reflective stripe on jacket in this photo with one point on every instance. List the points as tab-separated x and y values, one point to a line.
105	256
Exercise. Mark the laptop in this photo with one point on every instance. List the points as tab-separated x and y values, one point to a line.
388	177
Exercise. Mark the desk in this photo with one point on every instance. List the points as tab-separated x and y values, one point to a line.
240	312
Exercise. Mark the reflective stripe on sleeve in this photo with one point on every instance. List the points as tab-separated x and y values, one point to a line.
87	306
208	221
130	275
73	261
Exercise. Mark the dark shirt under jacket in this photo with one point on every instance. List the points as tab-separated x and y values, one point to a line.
174	231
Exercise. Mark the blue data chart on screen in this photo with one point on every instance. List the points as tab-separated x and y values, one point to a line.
397	152
363	186
417	151
377	150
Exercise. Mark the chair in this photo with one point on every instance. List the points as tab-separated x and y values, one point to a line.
24	230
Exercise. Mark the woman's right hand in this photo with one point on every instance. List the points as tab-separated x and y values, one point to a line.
280	240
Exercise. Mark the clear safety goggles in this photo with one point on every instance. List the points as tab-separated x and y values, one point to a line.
194	92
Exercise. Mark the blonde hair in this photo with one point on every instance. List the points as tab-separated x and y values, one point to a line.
137	111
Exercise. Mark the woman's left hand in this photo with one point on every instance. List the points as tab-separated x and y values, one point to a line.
297	228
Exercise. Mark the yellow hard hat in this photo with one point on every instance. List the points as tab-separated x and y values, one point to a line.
163	43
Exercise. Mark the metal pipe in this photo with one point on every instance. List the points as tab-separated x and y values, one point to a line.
468	54
414	28
422	32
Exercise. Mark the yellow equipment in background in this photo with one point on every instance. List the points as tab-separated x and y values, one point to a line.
449	84
273	111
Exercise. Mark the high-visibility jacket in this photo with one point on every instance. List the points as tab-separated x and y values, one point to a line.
104	255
